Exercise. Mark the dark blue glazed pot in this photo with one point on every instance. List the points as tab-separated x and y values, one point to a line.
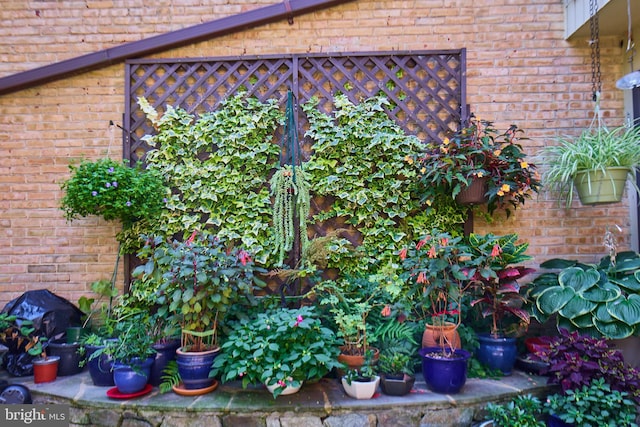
497	352
194	368
165	353
446	375
555	421
100	368
131	377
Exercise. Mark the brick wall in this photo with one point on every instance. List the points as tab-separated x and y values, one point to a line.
520	70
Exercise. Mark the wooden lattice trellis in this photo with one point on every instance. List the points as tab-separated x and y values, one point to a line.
426	88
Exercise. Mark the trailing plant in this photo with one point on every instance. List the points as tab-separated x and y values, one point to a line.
596	148
290	191
113	190
480	151
575	360
217	165
281	346
593	405
521	411
363	162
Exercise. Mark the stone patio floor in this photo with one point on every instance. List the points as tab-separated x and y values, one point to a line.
321	404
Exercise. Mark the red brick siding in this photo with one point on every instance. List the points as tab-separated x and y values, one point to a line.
520	70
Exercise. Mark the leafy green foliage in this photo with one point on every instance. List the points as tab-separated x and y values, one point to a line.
114	191
280	346
593	405
522	411
362	161
600	300
200	279
218	166
170	377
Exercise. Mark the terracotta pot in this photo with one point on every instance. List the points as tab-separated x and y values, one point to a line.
439	335
356	361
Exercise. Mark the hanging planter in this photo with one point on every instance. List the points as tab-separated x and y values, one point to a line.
601	186
475	193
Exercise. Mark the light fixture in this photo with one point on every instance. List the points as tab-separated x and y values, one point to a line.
631	80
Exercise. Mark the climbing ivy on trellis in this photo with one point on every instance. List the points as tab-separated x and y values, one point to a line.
362	161
218	165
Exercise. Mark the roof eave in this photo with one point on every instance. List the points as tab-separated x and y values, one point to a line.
178	38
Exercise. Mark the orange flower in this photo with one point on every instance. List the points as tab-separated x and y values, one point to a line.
432	252
505	188
422	278
403	254
386	311
524	165
444	241
421	243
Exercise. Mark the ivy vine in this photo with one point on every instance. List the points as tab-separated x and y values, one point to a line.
218	166
363	160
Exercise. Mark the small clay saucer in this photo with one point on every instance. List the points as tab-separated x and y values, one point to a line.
179	389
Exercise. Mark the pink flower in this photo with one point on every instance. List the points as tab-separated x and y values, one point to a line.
403	254
496	251
244	257
298	320
386	311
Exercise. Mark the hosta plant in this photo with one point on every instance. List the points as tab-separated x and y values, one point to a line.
598	299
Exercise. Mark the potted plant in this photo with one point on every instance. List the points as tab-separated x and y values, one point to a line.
113	190
395	367
349	302
437	271
598	163
521	411
591	405
281	348
574	360
362	382
201	278
479	164
500	296
132	353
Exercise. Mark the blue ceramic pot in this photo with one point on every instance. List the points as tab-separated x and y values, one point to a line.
100	368
194	368
555	421
133	376
445	375
497	352
165	353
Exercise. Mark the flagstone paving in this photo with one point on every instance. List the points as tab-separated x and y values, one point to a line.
321	404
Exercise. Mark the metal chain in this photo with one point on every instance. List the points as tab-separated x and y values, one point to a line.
596	84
